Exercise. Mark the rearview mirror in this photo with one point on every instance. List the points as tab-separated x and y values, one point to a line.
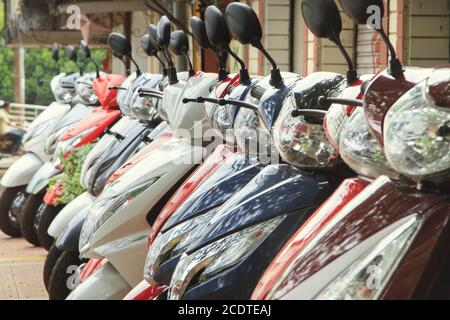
55	52
119	44
216	27
85	49
71	54
322	18
152	32
199	31
163	31
243	23
179	43
360	12
148	46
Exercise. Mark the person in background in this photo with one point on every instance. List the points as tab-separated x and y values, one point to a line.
6	129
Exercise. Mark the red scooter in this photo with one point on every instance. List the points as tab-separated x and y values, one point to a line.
88	130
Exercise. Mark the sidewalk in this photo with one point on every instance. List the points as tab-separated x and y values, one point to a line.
21	264
21	268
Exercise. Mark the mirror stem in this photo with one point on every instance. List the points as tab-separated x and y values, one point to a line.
138	70
276	78
395	66
97	67
243	73
352	76
191	68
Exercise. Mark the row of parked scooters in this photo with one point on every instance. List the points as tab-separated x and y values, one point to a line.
231	186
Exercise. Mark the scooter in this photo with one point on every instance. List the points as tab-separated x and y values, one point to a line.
400	251
173	161
139	127
230	252
223	174
16	178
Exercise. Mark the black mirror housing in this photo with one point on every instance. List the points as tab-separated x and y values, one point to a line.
163	31
322	18
216	27
119	44
55	52
85	49
179	43
243	23
199	31
148	47
71	54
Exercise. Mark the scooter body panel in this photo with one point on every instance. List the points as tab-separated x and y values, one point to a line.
286	192
101	146
69	238
115	155
52	115
62	220
125	233
346	192
105	284
41	178
374	215
21	172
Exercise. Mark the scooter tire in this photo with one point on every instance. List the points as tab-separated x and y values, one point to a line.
50	261
28	218
6	200
47	215
64	277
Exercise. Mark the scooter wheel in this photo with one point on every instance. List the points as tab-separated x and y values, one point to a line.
52	257
28	217
46	216
6	200
65	275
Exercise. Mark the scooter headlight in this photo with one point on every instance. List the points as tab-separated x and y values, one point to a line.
366	278
62	93
108	204
124	95
171	243
144	108
335	121
250	136
360	151
302	141
217	256
416	132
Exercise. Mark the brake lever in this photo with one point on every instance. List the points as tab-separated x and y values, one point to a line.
325	101
118	88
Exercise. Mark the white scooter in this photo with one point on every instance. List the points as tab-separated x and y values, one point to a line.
117	225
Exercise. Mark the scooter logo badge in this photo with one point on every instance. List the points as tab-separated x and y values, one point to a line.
73	280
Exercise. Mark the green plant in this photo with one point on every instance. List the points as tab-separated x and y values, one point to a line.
67	184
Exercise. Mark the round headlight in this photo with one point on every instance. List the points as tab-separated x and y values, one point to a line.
84	89
413	139
360	150
124	96
302	142
63	87
251	137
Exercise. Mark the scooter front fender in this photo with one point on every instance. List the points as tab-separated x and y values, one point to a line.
41	178
70	237
81	203
105	284
21	172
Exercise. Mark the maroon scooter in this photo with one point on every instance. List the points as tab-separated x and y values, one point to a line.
390	241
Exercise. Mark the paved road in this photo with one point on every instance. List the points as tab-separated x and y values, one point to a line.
21	268
21	265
